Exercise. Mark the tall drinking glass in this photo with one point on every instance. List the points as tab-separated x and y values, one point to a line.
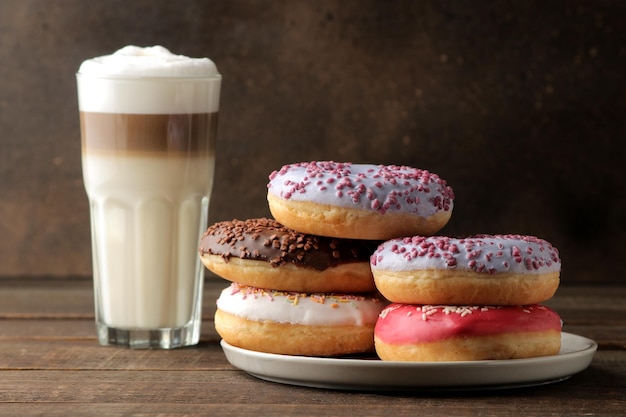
148	124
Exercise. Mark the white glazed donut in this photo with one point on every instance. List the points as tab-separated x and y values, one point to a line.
483	269
359	201
427	333
294	323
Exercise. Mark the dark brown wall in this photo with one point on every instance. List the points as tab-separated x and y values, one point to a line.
519	105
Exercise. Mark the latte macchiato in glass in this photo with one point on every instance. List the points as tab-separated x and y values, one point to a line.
148	125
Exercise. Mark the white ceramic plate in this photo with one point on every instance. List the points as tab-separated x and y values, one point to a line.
375	375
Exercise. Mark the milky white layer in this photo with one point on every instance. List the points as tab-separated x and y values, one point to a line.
143	283
283	307
148	80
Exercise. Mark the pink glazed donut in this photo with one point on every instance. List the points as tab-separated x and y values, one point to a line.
478	270
430	333
359	201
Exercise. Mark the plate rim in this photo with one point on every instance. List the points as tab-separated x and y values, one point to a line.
262	365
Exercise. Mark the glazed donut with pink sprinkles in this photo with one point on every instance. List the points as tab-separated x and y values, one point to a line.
478	270
297	323
434	333
359	201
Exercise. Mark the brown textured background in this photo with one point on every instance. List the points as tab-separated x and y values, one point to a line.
519	105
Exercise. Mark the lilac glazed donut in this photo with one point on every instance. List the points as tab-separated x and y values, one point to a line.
478	270
359	201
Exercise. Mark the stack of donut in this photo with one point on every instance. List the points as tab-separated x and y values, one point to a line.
474	298
349	264
292	293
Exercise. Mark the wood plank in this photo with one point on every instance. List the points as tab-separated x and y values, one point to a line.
32	298
486	405
425	406
37	330
607	336
78	354
39	337
590	304
69	298
73	298
26	307
600	388
70	329
46	329
51	364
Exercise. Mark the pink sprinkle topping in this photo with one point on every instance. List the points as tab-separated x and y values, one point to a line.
381	188
489	254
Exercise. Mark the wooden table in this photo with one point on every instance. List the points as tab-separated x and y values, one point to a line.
51	364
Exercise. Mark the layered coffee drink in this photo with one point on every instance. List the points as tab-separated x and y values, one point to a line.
148	128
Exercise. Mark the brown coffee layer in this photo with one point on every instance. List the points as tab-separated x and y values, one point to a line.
148	133
267	240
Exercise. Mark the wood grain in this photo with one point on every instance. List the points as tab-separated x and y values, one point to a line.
51	364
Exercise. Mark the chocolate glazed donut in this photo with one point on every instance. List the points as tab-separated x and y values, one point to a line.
265	254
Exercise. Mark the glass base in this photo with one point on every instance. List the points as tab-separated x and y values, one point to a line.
148	339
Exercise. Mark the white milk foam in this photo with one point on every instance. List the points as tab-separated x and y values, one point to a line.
134	80
147	211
